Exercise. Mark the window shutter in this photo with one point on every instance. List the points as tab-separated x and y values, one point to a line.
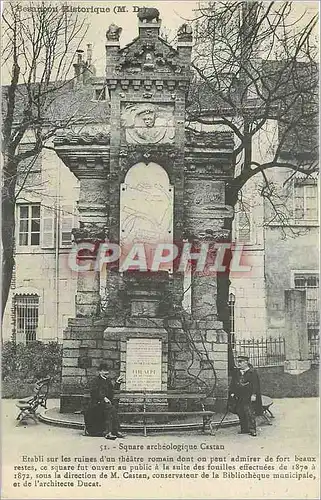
48	227
67	223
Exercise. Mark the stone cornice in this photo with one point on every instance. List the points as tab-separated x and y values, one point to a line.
81	138
86	155
217	140
207	235
209	211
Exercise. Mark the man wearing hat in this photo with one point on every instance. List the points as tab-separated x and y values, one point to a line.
102	397
245	387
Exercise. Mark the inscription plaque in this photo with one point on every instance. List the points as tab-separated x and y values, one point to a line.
144	364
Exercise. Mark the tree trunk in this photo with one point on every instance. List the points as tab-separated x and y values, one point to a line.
223	284
8	233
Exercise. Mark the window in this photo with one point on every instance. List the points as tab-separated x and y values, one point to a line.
26	312
305	201
231	305
29	224
100	94
243	224
66	225
310	283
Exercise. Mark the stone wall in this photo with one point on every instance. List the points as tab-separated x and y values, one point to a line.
282	258
83	351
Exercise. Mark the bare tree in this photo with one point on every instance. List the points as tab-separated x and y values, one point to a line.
39	45
258	62
255	62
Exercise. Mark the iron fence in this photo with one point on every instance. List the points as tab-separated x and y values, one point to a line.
270	351
314	349
262	352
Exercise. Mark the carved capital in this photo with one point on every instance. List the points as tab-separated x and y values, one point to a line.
90	232
201	234
70	137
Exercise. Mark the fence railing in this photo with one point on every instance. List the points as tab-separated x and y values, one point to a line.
262	352
270	351
314	350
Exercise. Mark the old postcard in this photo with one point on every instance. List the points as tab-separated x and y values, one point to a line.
160	243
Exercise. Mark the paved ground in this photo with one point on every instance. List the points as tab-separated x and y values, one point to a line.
294	434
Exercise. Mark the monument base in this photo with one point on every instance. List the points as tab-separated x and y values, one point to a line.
143	356
72	403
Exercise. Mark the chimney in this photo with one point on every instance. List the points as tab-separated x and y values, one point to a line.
79	66
89	54
185	43
84	70
91	70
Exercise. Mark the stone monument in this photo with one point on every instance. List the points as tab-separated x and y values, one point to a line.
148	181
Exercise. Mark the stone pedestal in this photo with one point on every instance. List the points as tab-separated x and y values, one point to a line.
82	354
297	366
296	335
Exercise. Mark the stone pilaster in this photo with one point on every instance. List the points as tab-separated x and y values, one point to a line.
204	222
296	334
88	279
205	216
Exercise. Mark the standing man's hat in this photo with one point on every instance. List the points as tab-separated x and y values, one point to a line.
243	357
103	367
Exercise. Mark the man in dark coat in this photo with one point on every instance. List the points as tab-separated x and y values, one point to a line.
245	388
102	396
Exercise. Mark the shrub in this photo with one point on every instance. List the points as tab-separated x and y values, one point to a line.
31	362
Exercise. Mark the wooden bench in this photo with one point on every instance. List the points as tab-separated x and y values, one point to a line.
145	399
266	404
29	406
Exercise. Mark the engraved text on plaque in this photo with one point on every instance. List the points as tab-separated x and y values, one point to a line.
144	364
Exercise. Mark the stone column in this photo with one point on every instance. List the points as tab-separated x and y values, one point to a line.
92	207
204	221
88	297
88	280
203	290
205	213
296	334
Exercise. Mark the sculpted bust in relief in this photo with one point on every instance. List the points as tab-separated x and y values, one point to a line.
147	124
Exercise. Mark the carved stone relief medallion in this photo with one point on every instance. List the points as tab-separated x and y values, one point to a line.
148	123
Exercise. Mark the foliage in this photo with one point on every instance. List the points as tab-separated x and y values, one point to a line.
31	362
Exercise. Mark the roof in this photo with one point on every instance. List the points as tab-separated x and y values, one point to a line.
64	102
69	103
